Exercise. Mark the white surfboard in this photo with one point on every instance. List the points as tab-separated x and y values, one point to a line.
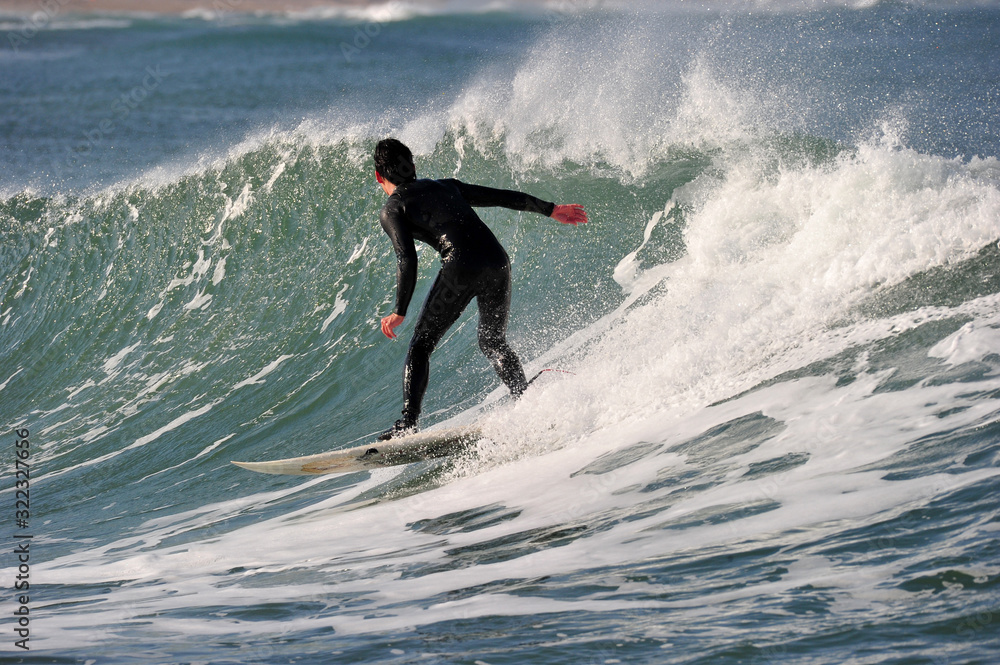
403	450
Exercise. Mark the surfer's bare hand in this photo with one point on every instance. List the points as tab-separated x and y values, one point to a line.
390	323
572	213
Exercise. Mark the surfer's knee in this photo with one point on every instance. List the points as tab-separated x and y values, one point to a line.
492	346
422	344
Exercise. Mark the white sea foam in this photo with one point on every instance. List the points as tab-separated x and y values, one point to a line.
339	307
259	376
773	260
374	543
112	364
976	341
28	26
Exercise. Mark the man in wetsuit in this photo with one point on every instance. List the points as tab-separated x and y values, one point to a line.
473	265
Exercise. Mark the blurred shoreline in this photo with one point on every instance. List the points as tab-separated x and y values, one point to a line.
54	7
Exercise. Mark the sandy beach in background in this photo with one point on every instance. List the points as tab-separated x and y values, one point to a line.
52	7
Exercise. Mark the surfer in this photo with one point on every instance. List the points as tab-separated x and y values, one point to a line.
473	265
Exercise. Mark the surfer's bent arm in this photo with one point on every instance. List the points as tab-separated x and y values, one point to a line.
485	197
406	254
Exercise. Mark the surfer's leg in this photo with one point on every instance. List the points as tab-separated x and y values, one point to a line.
494	311
449	295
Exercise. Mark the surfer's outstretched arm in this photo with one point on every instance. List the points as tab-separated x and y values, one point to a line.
485	197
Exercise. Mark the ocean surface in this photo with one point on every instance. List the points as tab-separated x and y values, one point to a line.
780	438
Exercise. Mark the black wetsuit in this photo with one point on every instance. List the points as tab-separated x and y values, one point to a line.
473	265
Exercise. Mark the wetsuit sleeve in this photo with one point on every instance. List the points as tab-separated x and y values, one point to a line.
394	225
487	197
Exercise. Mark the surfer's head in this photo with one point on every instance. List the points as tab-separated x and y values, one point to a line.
394	162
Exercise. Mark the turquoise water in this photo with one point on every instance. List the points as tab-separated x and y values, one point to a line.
780	439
